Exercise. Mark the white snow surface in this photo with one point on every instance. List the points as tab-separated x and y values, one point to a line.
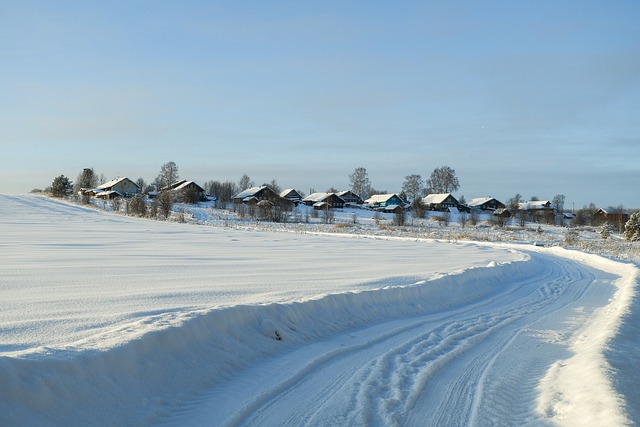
112	320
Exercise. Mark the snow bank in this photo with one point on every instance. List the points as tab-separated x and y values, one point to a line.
132	383
579	390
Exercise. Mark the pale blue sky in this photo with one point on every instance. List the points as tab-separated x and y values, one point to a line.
537	98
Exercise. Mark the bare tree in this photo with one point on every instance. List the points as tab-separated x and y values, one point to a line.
275	186
522	218
244	183
413	186
474	217
558	205
400	218
224	191
165	202
168	175
328	214
443	180
360	183
142	184
514	203
462	219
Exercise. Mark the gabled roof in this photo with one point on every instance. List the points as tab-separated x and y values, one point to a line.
114	182
533	205
174	185
436	198
250	192
186	184
614	211
290	192
348	192
381	198
478	201
317	197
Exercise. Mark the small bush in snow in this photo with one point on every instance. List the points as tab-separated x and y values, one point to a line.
138	206
571	237
605	231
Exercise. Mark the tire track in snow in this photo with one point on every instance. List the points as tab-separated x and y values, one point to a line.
424	357
439	369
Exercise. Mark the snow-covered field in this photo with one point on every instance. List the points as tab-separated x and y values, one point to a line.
112	320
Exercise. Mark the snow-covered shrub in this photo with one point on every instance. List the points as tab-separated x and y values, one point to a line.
605	231
138	206
571	237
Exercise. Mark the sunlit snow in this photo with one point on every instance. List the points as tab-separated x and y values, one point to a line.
112	320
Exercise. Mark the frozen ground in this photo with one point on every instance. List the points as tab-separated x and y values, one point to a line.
112	320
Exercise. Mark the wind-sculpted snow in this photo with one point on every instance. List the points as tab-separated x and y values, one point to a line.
108	320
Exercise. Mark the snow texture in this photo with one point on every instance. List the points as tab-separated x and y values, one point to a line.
112	320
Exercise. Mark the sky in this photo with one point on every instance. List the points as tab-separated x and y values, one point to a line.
532	98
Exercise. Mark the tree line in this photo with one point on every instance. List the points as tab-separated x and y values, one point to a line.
441	181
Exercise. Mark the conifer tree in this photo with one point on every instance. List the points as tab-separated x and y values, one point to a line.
61	187
632	228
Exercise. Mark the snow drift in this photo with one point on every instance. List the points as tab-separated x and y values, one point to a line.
115	385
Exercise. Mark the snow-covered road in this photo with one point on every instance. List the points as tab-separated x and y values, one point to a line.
477	364
110	320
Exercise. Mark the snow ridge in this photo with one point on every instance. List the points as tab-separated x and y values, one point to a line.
214	346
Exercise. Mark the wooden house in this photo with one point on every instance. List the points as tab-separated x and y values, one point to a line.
189	191
440	202
254	195
324	200
396	209
381	201
485	204
350	197
614	216
122	186
292	195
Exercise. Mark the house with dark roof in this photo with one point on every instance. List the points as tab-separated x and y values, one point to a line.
189	191
489	204
254	195
292	195
119	187
614	216
324	200
440	202
350	197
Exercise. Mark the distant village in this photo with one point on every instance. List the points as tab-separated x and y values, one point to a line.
263	200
